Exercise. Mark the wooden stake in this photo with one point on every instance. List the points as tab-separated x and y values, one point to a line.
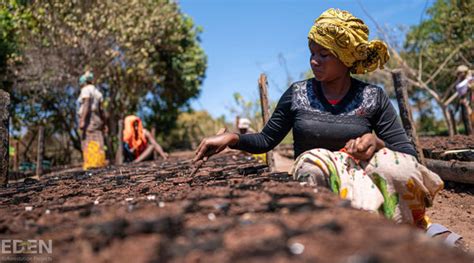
119	153
4	145
237	120
399	83
39	154
263	89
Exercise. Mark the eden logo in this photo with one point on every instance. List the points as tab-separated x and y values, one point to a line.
32	246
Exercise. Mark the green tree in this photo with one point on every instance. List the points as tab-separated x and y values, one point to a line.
434	48
9	39
7	42
448	28
192	127
431	52
145	55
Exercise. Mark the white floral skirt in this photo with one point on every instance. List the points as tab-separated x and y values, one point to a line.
391	183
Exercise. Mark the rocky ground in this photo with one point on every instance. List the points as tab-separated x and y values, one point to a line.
232	209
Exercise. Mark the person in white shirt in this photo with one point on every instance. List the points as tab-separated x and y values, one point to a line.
91	123
244	126
464	86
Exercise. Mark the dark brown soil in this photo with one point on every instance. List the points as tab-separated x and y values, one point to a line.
447	143
436	147
232	210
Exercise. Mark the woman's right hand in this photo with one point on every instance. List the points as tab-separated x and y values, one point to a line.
215	144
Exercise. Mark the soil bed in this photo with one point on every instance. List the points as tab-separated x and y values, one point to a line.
232	209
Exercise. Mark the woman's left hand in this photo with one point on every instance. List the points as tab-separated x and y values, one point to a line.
364	147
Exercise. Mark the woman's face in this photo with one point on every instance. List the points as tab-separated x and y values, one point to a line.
325	66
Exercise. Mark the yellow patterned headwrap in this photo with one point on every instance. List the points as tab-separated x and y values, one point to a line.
346	36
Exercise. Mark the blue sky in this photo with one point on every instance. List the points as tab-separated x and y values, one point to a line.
243	38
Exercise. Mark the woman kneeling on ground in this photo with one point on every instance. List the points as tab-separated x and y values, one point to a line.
346	133
138	143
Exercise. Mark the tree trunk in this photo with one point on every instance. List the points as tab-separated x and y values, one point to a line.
114	114
466	119
27	146
108	140
115	131
16	161
4	145
453	120
447	118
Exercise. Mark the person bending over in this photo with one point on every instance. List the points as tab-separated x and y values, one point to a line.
138	143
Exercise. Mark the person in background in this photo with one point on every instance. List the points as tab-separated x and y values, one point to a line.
464	80
138	143
244	126
91	123
464	89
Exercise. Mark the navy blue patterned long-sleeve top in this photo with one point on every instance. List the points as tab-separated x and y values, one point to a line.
318	124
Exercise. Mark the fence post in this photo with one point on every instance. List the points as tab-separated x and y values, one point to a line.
400	85
40	152
237	120
263	89
119	153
